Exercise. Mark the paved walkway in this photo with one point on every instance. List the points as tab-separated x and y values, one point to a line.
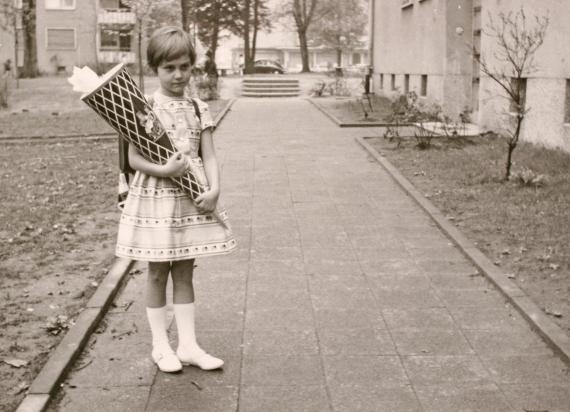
343	296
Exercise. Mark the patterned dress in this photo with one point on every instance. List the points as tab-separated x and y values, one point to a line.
159	221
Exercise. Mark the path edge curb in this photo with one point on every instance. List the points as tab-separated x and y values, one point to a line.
551	333
61	359
70	347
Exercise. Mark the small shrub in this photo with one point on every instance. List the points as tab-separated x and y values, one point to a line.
203	87
529	178
318	89
338	87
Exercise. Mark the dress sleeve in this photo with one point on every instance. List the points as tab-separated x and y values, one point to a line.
205	115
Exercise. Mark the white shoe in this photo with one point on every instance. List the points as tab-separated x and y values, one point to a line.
201	359
166	360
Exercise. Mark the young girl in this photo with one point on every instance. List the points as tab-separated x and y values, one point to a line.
160	223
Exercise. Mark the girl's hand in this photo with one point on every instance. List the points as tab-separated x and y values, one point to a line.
206	202
175	166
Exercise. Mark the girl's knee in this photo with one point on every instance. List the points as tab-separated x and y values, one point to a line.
158	272
182	271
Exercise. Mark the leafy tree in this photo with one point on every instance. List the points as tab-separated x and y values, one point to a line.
342	25
303	13
212	17
517	39
143	11
255	16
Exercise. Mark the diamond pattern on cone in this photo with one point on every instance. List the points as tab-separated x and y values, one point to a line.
118	101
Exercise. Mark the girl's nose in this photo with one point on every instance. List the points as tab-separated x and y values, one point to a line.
178	74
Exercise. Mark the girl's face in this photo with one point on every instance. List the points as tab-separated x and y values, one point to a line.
174	75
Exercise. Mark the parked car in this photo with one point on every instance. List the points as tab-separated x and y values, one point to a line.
268	66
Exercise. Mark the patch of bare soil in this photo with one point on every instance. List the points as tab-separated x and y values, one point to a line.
58	221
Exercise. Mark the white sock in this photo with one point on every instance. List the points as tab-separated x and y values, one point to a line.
184	314
157	322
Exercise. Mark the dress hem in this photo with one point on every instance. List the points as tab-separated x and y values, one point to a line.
175	258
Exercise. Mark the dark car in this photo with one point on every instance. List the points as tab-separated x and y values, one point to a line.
268	66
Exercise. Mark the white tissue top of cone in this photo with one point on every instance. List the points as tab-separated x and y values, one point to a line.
85	80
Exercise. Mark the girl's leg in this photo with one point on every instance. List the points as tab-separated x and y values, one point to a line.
162	353
189	352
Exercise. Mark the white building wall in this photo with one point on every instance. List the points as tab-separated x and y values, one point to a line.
410	41
546	98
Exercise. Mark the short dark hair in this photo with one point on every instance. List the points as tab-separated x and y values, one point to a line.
169	43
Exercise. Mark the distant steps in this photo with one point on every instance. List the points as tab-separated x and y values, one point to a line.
273	86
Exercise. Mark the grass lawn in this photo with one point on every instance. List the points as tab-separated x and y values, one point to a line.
57	227
350	110
523	230
49	107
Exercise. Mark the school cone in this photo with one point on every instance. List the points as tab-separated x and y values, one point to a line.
119	101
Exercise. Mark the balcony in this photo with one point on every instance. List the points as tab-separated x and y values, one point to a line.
116	16
116	56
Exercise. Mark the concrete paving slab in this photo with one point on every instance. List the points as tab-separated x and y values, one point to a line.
364	341
187	397
471	297
435	370
368	397
432	318
305	398
449	398
526	369
431	342
538	397
401	298
280	342
507	342
386	371
122	398
504	318
465	280
276	370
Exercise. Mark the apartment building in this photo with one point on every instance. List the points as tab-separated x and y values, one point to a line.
426	46
97	33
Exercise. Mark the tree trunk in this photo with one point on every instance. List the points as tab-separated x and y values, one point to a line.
304	51
247	62
215	32
185	6
30	68
339	57
512	145
139	52
255	28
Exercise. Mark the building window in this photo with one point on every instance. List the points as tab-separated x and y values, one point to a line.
424	85
60	4
356	58
406	83
115	39
60	39
567	103
520	85
112	5
381	81
393	82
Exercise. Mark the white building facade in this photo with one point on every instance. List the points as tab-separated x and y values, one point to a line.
426	46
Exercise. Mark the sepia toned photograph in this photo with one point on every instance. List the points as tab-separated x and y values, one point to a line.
285	206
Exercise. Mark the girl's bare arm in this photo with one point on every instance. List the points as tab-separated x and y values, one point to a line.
207	201
175	165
